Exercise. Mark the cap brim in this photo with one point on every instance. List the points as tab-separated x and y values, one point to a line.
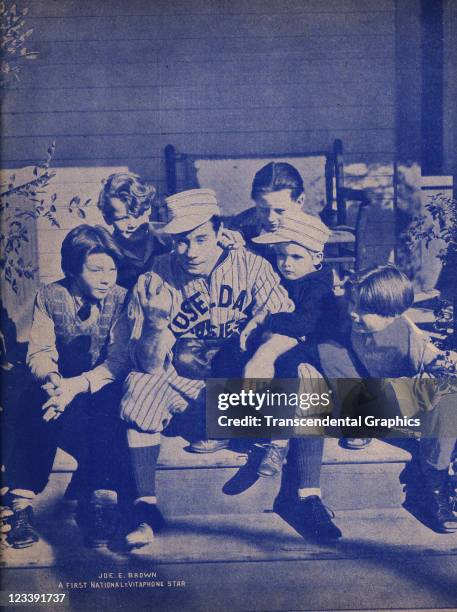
270	238
186	224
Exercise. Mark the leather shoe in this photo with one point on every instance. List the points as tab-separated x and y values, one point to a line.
23	534
272	461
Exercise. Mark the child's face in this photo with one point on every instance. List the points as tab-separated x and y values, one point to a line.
198	250
272	206
295	261
98	275
126	224
366	322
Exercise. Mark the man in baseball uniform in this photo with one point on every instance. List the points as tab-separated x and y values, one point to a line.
187	314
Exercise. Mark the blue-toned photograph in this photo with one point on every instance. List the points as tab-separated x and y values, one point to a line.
228	271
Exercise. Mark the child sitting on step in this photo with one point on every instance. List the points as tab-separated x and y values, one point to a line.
70	354
290	351
384	343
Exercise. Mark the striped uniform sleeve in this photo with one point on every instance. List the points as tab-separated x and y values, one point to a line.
268	293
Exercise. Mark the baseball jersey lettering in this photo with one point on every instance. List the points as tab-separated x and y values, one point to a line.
187	308
218	306
198	303
181	321
225	296
239	302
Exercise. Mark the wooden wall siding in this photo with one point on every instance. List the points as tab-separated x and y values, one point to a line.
117	80
450	91
69	182
408	55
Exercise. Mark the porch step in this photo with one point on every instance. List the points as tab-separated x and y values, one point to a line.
222	538
219	483
386	560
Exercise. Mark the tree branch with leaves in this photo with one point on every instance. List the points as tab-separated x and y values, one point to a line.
14	34
439	223
20	204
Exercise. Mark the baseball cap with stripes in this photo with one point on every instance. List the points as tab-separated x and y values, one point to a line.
189	209
300	227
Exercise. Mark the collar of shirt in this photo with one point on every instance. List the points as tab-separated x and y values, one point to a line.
81	301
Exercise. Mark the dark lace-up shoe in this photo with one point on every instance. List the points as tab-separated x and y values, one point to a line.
441	513
6	524
317	518
23	534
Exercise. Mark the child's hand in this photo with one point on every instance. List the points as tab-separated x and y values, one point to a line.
230	239
52	384
250	327
155	300
259	367
69	388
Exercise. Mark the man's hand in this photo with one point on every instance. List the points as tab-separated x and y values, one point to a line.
155	300
230	239
68	389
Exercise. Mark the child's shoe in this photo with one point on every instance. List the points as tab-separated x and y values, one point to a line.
6	521
273	460
317	519
23	534
437	500
444	519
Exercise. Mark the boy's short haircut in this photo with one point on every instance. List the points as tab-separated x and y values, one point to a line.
276	176
383	290
131	190
85	240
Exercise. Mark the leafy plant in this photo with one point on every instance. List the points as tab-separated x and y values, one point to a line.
75	206
13	38
14	227
22	204
439	222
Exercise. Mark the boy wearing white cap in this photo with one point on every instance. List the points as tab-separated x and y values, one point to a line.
298	244
291	351
187	314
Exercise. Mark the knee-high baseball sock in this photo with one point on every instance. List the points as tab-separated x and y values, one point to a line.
144	452
309	453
